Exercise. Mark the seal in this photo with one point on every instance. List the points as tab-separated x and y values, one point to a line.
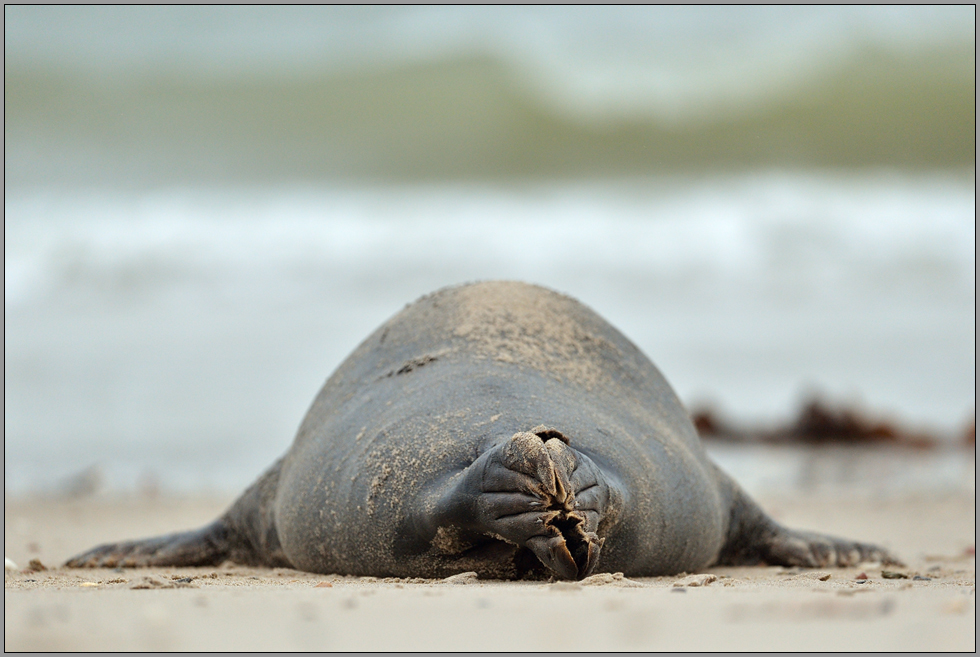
501	428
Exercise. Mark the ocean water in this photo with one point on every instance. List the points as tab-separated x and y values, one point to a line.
207	208
179	335
158	96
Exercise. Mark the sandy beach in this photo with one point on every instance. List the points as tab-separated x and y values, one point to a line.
211	211
930	604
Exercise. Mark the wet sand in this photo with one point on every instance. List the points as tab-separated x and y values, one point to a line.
930	604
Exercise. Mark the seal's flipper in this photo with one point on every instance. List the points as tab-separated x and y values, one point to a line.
753	538
523	490
208	546
796	548
246	534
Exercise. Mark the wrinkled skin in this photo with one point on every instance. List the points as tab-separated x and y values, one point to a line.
499	428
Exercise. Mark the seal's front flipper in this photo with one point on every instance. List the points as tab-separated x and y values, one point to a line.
796	548
246	534
203	547
754	538
523	491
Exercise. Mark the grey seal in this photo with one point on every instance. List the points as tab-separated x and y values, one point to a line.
501	428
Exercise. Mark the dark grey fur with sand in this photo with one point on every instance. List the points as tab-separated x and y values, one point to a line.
500	428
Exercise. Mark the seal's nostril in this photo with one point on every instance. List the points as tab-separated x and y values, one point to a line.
546	433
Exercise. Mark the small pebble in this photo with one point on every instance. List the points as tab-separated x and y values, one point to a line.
36	565
321	585
817	575
862	576
155	583
696	580
461	578
8	565
922	579
609	579
890	574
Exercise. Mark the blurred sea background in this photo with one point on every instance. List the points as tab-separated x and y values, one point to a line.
207	208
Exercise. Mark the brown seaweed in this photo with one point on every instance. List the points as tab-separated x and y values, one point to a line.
820	423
